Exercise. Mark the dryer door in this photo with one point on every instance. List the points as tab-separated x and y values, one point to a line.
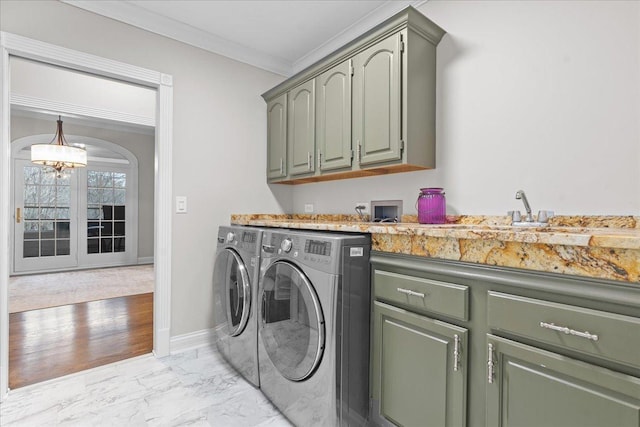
291	324
232	292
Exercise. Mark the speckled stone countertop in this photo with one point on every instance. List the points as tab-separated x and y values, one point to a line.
606	247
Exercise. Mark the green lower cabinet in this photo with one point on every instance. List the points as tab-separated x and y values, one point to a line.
531	387
419	369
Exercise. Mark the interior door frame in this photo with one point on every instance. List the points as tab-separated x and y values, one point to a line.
19	46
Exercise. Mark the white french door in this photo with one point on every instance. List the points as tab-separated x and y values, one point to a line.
85	218
45	226
108	235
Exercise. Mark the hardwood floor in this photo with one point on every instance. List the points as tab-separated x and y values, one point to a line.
52	342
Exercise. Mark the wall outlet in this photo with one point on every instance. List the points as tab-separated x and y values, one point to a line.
181	204
308	208
365	206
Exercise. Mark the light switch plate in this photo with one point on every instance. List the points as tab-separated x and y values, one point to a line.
308	208
181	204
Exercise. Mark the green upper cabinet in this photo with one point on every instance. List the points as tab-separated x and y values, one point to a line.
301	128
374	98
531	387
277	137
376	107
333	113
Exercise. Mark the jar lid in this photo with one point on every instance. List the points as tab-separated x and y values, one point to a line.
431	190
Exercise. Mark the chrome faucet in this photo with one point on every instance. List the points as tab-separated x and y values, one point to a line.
516	219
521	196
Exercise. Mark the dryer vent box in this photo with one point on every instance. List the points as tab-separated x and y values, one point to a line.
386	210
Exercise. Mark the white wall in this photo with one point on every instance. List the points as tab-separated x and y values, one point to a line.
59	84
219	135
542	96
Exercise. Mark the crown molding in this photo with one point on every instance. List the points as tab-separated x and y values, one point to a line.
354	31
158	24
138	17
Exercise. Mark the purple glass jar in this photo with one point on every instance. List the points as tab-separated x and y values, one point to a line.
432	206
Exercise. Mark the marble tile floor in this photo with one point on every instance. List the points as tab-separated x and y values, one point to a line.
194	388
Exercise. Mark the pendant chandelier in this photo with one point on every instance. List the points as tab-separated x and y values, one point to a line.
58	154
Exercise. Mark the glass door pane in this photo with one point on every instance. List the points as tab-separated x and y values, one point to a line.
292	324
231	286
106	207
44	211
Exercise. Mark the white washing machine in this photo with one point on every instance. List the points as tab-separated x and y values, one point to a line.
235	288
313	333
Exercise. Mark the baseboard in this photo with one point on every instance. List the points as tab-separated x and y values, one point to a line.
190	341
145	260
161	342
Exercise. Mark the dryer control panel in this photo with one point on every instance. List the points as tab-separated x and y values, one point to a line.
241	239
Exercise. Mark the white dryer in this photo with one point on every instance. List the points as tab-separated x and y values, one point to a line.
313	333
235	287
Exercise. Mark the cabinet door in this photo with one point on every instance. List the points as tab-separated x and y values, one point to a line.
527	386
376	102
277	137
301	127
420	368
333	109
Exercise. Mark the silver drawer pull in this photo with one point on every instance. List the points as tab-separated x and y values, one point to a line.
569	331
410	292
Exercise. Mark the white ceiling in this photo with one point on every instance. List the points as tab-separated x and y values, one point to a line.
277	35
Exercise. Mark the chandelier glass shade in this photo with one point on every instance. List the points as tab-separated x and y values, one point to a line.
58	154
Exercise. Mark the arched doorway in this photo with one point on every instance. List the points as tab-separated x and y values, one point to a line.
86	218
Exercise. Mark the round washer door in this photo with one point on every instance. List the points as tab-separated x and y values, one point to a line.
232	289
291	324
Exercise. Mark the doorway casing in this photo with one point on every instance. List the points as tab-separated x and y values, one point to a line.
19	46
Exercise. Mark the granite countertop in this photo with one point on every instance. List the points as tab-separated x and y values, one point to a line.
605	247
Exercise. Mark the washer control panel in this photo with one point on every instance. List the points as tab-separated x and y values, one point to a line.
305	248
321	251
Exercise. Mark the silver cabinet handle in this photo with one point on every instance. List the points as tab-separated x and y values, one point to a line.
456	352
281	166
410	292
490	364
569	331
309	160
319	159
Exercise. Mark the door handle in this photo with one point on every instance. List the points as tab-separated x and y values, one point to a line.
269	248
18	215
